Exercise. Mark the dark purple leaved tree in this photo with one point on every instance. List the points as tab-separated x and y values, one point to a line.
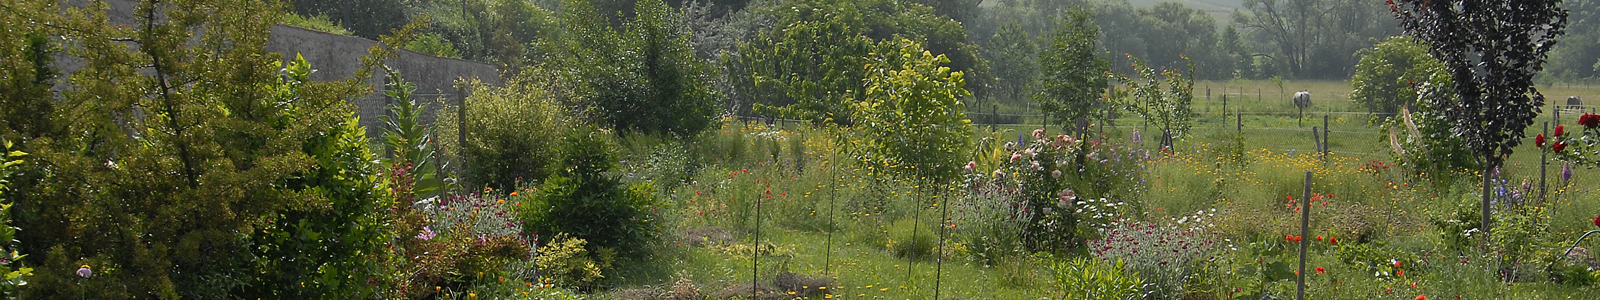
1492	49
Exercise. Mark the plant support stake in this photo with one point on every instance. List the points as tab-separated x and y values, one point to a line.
1305	229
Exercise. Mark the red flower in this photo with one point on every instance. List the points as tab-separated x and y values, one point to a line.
1597	221
1289	238
1560	130
1320	270
1421	297
1399	272
1589	121
1397	264
1333	240
1539	141
1319	238
1558	147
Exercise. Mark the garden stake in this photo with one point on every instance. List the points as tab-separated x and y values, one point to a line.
1543	161
938	269
1327	135
1305	223
755	259
833	190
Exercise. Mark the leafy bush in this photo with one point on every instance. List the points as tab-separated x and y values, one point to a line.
584	199
912	115
644	79
444	242
1088	278
14	278
314	22
564	262
1052	184
510	132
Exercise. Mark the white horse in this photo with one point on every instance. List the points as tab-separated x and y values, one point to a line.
1302	99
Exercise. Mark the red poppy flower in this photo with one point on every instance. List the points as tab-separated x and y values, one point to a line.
1421	297
1597	221
1319	238
1399	272
1558	147
1539	141
1560	130
1333	240
1320	270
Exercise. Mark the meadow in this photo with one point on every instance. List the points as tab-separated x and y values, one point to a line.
840	229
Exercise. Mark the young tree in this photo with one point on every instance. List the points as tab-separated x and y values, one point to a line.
1386	79
1074	77
913	114
1492	49
1162	97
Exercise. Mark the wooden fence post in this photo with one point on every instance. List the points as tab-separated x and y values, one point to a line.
1305	229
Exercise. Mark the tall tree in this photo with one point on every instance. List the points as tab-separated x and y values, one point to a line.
1492	49
645	78
1073	76
1015	60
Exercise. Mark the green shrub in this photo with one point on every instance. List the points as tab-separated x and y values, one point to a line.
510	132
314	22
583	198
1088	278
14	278
564	262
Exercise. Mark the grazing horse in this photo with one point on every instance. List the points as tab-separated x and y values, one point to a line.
1302	100
1574	102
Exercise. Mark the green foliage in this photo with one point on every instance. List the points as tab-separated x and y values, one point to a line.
1423	140
409	143
812	70
565	262
510	131
235	179
1070	89
644	79
1164	99
912	114
1015	59
1088	278
433	44
315	22
365	18
27	52
1312	39
14	278
1388	75
809	64
583	198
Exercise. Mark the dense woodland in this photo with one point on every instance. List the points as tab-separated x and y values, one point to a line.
184	161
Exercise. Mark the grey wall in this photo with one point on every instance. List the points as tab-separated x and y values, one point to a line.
337	57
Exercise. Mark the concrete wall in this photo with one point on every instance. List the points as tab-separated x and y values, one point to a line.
337	57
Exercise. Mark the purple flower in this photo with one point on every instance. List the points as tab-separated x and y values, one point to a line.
1136	137
427	234
1566	172
85	272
